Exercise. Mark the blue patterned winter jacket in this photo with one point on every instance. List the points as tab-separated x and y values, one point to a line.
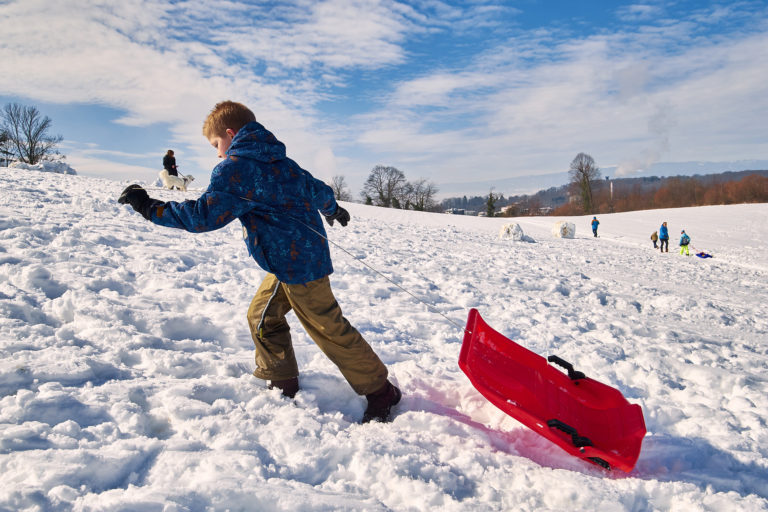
276	201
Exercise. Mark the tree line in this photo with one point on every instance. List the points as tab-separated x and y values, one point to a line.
24	136
677	192
586	193
388	187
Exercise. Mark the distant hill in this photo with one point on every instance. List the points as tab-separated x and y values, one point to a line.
555	197
530	184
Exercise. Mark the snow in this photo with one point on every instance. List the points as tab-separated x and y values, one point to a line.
45	166
125	368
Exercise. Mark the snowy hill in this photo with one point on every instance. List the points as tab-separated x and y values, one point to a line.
125	376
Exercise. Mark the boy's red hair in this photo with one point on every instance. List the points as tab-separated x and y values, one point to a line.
226	115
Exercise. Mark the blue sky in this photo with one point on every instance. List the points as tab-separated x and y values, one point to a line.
454	92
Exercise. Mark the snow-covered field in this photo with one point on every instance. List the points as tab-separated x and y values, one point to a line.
125	361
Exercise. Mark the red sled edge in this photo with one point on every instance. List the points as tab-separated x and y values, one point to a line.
584	417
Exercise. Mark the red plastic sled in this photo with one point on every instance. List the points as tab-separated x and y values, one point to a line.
584	417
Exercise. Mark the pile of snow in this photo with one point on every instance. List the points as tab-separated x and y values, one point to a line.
45	166
514	232
511	231
126	360
564	229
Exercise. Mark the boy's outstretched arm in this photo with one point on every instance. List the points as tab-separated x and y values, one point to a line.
139	200
212	210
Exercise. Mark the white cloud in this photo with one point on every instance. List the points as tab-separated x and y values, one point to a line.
639	12
141	56
663	88
632	97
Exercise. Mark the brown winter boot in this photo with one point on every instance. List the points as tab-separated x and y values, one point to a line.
289	387
380	403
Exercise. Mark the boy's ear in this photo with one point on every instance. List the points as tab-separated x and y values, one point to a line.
230	132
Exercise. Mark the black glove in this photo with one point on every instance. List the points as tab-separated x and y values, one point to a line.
340	215
139	200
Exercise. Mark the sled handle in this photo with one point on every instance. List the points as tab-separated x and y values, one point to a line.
600	462
572	374
577	440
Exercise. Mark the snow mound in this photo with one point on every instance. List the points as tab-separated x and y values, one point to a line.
514	232
511	231
57	167
563	229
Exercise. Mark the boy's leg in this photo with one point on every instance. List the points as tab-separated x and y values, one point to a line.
320	314
275	359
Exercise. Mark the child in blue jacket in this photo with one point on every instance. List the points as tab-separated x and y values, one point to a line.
684	241
277	202
595	223
663	237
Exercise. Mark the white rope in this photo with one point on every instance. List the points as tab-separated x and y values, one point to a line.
321	235
429	306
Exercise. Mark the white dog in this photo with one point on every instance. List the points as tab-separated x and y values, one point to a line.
170	182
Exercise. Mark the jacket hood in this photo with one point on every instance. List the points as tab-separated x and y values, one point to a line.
256	142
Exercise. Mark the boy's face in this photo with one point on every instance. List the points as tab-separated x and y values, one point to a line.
222	143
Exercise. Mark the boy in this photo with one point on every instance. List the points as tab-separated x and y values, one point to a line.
277	203
595	223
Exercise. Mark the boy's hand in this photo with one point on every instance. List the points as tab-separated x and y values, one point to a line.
138	198
340	215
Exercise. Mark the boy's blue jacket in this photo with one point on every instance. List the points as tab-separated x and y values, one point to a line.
276	201
685	239
663	233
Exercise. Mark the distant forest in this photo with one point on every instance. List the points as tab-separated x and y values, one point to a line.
630	194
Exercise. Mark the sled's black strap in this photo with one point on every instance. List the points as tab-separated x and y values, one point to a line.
572	374
600	462
577	440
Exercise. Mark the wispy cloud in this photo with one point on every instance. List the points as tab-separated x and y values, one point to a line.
629	96
652	85
639	12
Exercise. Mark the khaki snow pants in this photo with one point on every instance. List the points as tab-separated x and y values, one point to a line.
320	315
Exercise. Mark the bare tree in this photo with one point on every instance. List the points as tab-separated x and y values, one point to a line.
5	153
422	196
403	196
28	133
584	173
340	190
384	185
